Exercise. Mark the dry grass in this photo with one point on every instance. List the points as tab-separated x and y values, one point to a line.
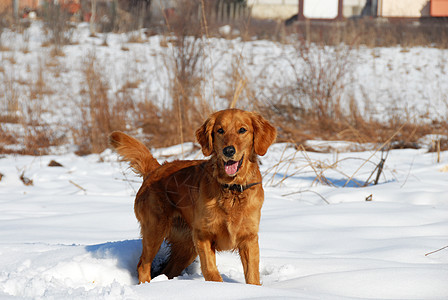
101	114
183	62
355	128
39	86
239	90
300	163
309	109
10	94
57	25
376	32
6	138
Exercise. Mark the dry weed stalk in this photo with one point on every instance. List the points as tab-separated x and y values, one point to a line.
10	96
184	64
78	186
38	136
59	30
101	114
312	109
376	151
238	87
435	251
438	150
276	166
319	174
26	181
319	168
375	33
378	167
39	86
321	81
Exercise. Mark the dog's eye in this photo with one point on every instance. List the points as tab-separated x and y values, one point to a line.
242	130
220	131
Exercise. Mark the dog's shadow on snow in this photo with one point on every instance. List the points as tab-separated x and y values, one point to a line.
127	254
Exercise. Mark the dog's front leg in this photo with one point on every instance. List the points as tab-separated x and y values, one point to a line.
250	258
207	257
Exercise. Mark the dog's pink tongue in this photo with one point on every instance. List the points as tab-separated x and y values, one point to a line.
231	167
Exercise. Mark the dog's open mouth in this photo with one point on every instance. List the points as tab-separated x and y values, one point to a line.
232	167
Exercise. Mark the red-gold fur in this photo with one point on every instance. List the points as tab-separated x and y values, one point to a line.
188	203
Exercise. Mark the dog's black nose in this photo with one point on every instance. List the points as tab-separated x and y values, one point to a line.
229	151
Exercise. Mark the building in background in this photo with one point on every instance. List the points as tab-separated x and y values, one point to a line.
412	8
320	9
280	9
21	8
273	9
403	8
305	9
439	8
342	9
19	5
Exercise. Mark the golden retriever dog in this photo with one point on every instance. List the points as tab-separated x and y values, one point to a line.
202	206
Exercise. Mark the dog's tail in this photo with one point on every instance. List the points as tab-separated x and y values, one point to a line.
133	151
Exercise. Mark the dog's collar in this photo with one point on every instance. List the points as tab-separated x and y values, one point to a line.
238	187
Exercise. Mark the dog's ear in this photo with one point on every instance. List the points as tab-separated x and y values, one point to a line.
204	135
264	134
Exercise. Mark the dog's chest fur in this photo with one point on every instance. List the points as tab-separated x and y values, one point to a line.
229	214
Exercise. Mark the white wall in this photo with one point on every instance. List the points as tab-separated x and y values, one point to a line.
320	9
403	8
273	9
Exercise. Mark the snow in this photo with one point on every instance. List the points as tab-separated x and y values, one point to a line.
326	232
385	82
73	234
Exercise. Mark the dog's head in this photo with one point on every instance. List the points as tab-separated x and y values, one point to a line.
235	136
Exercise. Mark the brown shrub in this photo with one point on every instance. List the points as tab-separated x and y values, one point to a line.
100	115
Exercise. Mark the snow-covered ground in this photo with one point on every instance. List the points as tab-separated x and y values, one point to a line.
385	82
73	234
